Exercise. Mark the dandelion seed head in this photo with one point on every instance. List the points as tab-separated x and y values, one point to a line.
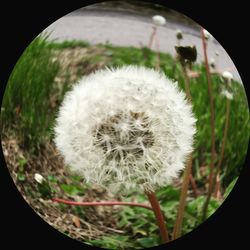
227	94
159	20
227	75
207	34
124	128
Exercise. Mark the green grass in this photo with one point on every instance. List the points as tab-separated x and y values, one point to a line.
67	44
26	103
28	112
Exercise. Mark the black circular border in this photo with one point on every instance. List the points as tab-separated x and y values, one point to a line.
21	226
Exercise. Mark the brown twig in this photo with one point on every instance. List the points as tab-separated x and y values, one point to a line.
213	152
101	203
159	216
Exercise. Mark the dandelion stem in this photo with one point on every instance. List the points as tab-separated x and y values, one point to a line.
159	216
223	146
187	173
183	198
151	39
101	203
158	63
186	81
193	184
213	153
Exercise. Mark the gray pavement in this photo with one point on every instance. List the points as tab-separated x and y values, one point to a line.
126	29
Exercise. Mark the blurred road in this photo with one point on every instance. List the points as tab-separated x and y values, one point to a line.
126	29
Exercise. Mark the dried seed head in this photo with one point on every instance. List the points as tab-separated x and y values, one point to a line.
212	63
179	35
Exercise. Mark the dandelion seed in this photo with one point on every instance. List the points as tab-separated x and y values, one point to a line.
159	20
143	134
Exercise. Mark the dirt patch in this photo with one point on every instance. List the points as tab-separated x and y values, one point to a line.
78	61
95	221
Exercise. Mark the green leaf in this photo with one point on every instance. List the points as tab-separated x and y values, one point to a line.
52	178
21	177
148	242
22	162
168	193
229	188
45	190
72	189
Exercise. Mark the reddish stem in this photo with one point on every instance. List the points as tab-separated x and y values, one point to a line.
193	184
158	64
209	81
213	153
152	37
101	203
159	216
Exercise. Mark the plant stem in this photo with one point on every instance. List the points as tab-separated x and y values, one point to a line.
187	172
159	216
151	39
186	81
223	146
183	198
158	63
193	184
213	153
101	203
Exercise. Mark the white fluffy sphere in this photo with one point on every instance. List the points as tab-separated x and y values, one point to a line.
227	75
207	35
124	128
159	20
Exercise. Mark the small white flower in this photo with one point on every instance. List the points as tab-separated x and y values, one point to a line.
227	94
159	20
39	178
227	75
207	34
179	34
143	134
